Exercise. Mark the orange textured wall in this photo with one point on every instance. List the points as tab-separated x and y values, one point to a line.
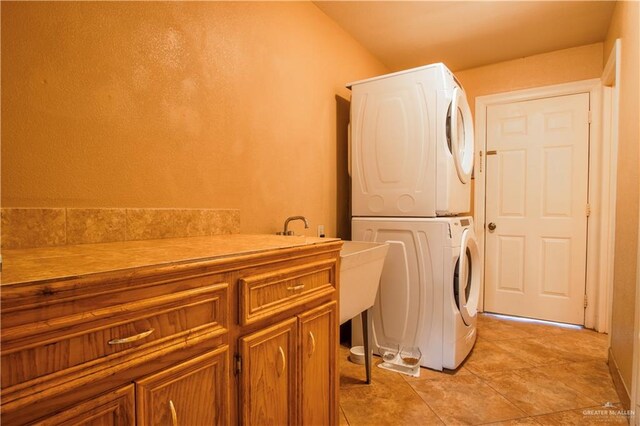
625	26
186	105
561	66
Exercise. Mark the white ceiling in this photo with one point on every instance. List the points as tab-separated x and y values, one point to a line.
468	34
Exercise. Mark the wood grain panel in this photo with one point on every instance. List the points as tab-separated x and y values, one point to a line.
54	302
27	354
318	346
269	293
54	355
195	392
112	409
268	382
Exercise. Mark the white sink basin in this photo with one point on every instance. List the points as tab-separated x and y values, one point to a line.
360	268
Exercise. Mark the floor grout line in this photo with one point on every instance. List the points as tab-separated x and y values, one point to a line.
425	402
545	338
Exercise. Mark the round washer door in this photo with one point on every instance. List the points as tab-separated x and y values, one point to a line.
467	282
461	134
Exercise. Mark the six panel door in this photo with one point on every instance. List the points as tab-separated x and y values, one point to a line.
536	200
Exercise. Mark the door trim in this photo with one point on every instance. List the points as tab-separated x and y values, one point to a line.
610	101
597	229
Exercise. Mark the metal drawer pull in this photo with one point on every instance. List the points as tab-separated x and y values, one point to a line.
296	287
174	415
283	362
312	343
131	338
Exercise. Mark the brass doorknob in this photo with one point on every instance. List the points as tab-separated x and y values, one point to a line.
491	226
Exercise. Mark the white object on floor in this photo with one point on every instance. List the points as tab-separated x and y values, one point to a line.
356	355
399	366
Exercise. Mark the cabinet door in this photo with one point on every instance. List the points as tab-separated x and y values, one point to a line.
269	370
111	409
194	392
318	355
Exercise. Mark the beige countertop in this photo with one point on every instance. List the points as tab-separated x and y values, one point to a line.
54	263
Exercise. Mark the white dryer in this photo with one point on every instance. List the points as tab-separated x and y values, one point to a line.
429	287
411	144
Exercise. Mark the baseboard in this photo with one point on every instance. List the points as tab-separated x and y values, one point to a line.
623	393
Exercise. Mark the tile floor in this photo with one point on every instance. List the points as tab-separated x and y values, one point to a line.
517	374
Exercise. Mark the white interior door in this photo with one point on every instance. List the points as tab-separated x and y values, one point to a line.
536	208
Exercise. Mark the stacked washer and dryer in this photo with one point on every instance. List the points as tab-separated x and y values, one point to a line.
411	158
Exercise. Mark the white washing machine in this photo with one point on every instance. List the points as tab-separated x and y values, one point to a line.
411	144
429	288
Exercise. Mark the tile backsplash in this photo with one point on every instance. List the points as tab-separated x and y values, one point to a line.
42	227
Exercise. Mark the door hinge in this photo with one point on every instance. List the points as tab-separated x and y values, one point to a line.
586	301
238	359
590	117
588	210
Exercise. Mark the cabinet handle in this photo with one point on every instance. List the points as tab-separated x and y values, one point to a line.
281	365
131	338
296	287
174	415
312	343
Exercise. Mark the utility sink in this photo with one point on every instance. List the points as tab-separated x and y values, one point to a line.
360	268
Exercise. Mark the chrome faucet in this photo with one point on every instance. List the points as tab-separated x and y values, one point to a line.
289	219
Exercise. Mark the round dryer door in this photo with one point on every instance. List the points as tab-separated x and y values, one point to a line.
467	277
460	134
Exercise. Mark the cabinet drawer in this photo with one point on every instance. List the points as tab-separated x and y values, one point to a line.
45	347
114	408
268	293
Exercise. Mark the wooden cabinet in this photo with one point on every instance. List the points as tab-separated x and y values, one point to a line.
318	343
161	345
262	295
111	409
288	342
268	380
69	347
194	392
288	371
108	330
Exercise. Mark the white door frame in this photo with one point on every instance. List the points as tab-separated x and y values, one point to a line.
610	101
597	180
